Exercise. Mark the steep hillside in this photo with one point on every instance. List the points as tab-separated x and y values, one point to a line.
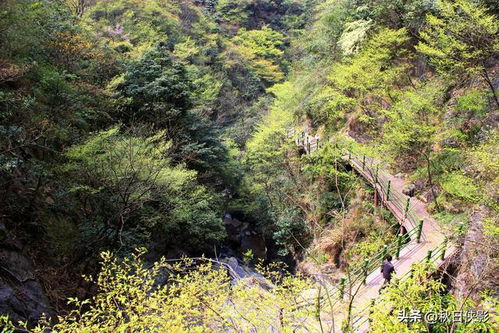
120	121
152	151
414	84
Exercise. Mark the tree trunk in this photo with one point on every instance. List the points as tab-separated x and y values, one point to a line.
430	180
492	89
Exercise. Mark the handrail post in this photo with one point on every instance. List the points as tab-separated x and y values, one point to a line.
342	287
442	256
366	265
428	256
407	207
371	310
308	144
364	162
420	231
388	190
399	246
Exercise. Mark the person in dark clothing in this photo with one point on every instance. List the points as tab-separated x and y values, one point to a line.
403	233
387	270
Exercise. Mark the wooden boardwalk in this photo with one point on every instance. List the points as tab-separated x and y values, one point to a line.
413	252
432	236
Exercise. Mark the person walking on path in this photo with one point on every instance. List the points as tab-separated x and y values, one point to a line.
404	234
387	270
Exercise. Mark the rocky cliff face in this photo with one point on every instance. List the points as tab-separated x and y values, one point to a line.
477	265
21	295
243	238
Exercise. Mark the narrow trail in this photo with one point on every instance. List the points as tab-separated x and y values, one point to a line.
432	245
413	252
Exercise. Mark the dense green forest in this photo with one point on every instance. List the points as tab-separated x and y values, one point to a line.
138	132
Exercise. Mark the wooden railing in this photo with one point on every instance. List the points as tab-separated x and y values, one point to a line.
396	202
362	317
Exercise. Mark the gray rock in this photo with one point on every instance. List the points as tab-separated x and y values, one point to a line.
429	196
16	265
236	223
419	185
3	233
256	244
451	142
409	190
238	269
6	242
21	295
477	271
240	272
227	218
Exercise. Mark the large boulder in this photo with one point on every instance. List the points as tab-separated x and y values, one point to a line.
22	297
430	195
241	272
256	244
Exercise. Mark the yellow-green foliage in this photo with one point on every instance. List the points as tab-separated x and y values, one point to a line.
133	26
195	298
412	121
117	158
261	51
369	75
375	69
264	146
421	293
460	186
353	35
324	33
485	159
461	37
134	177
